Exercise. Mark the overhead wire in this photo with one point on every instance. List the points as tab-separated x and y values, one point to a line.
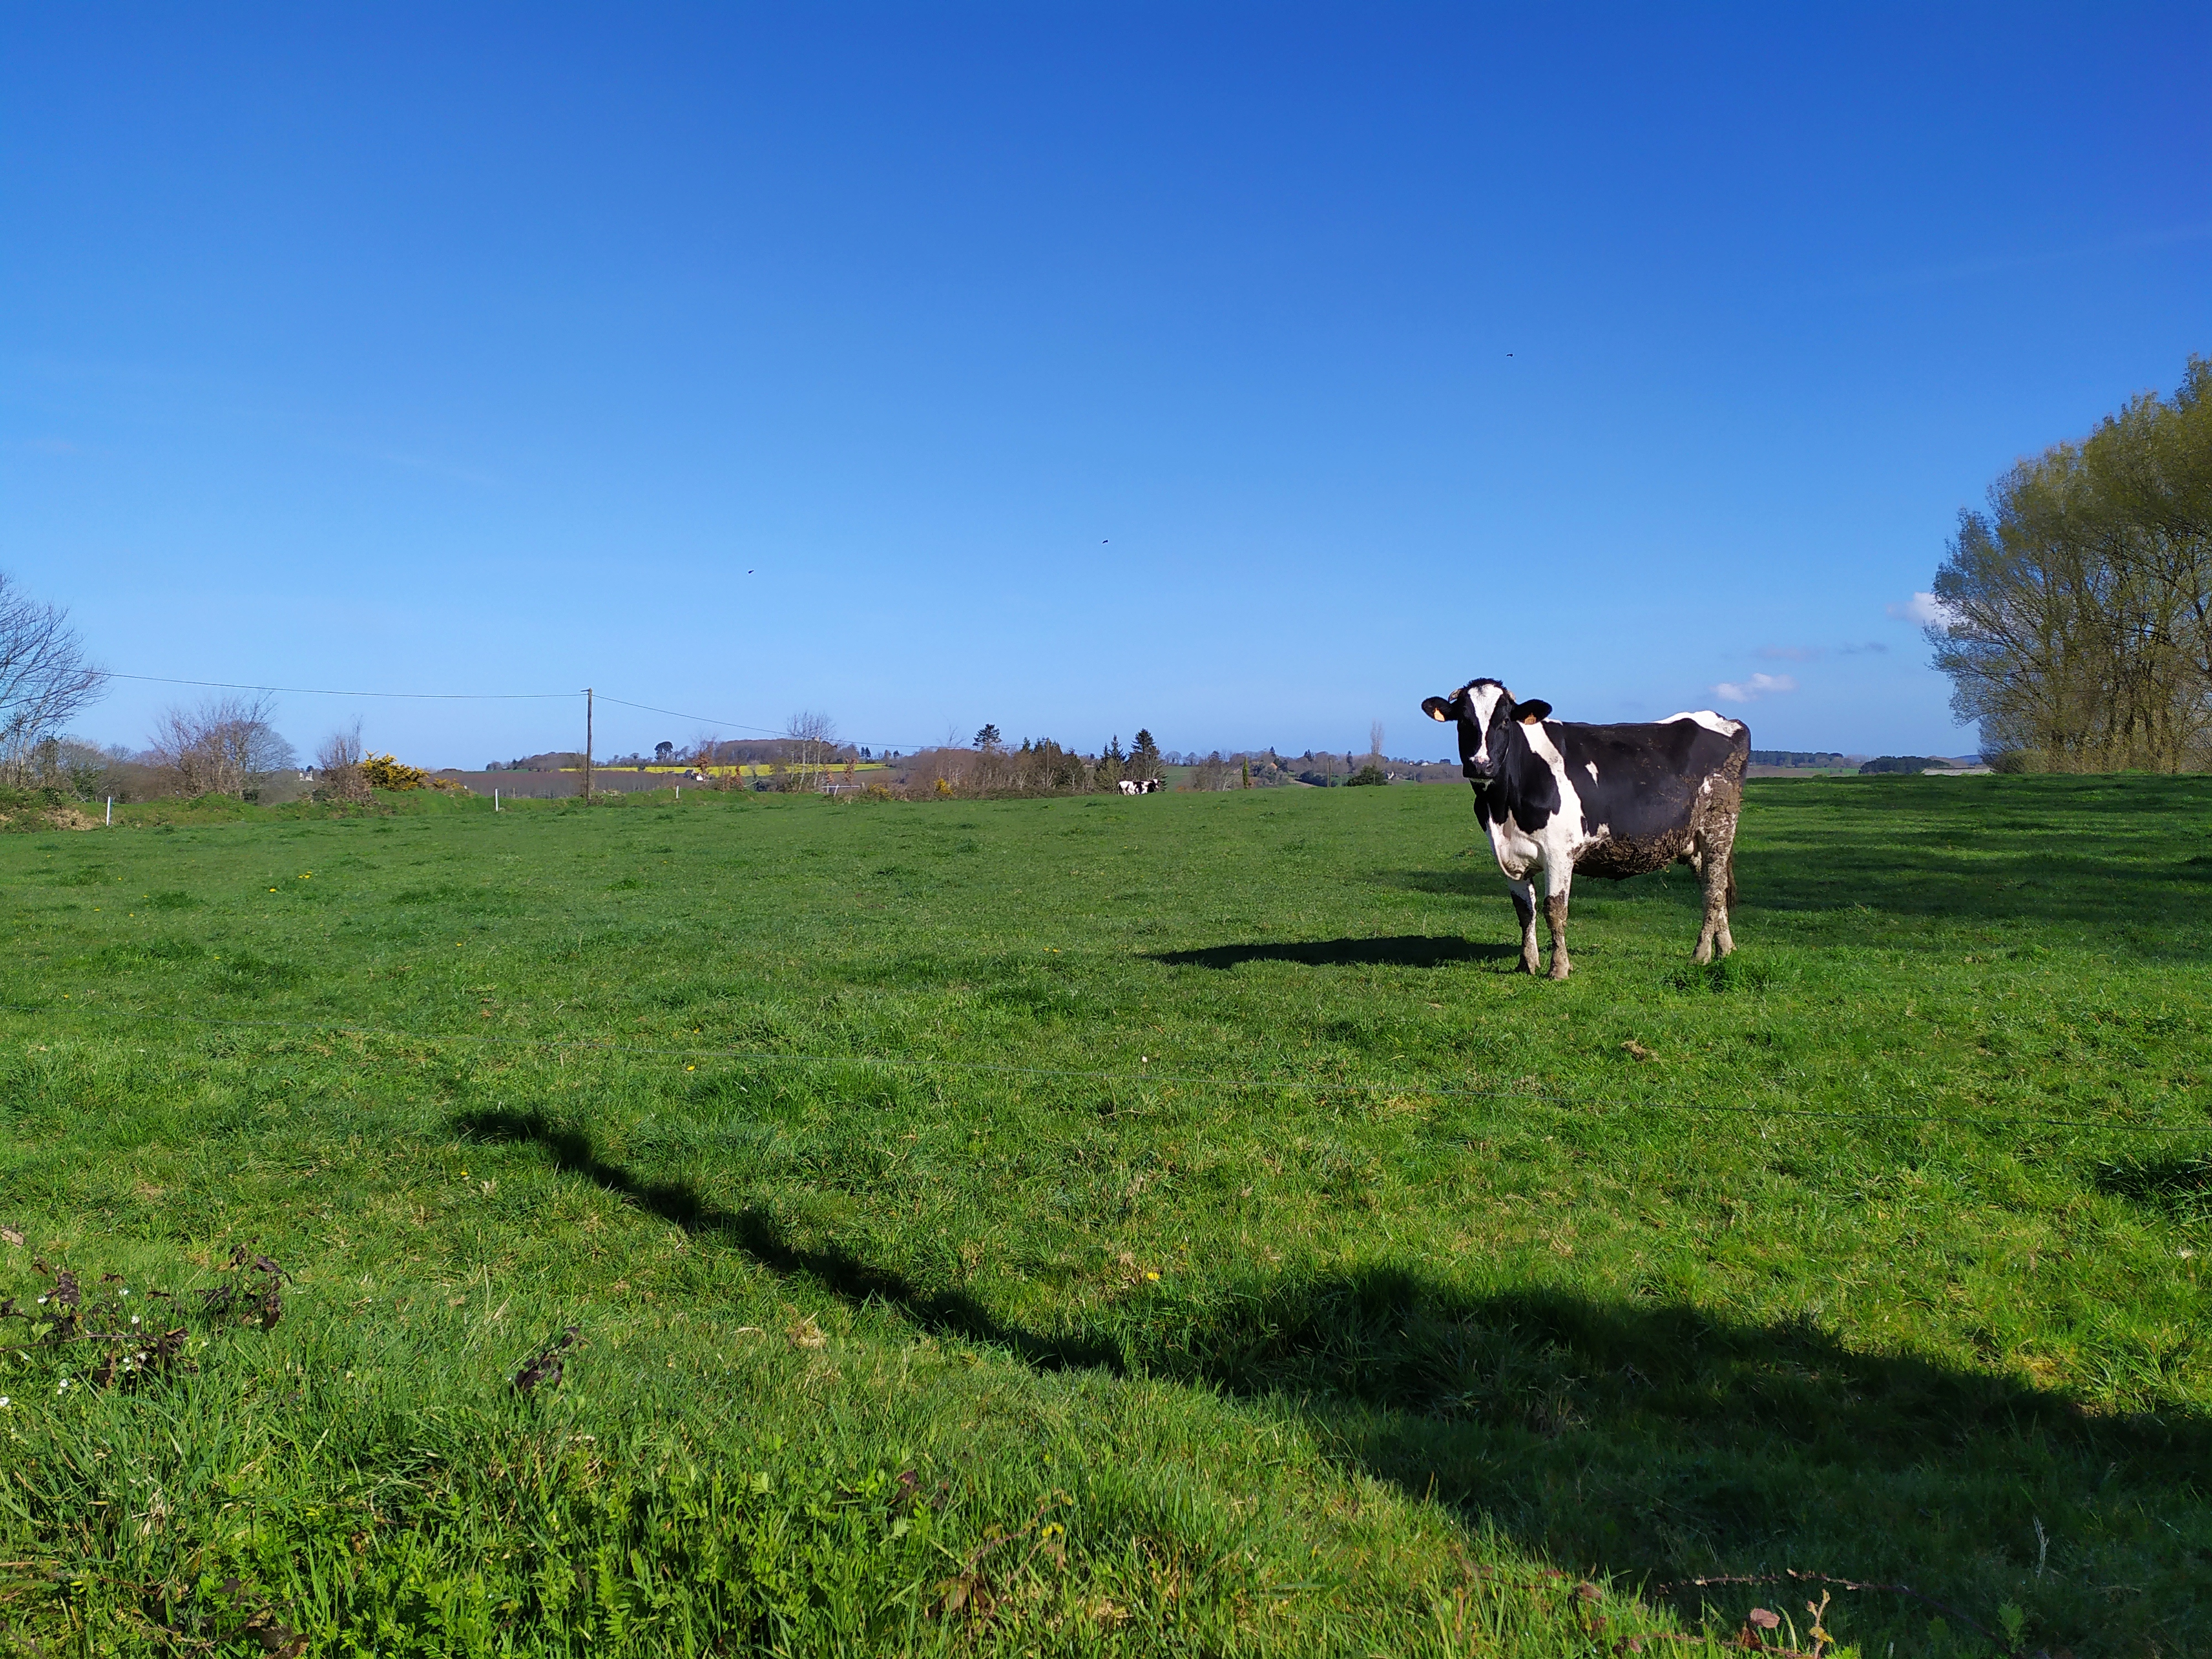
323	691
483	696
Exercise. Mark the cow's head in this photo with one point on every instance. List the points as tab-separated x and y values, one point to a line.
1483	709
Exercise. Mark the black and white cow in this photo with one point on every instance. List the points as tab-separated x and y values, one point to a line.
1141	785
1606	800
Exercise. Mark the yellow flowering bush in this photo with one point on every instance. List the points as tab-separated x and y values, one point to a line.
388	772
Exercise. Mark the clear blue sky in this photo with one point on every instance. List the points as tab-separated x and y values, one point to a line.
1243	373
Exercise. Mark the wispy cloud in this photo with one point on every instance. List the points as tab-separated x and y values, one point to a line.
1789	653
1924	609
1758	686
1863	649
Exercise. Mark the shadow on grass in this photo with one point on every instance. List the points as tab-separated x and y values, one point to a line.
1652	1440
1399	951
2180	1185
948	1312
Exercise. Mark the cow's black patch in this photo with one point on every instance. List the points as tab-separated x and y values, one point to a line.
1646	793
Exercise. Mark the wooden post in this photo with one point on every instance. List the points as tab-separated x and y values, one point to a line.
587	745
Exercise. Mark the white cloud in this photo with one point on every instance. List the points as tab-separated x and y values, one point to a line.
1924	610
1758	686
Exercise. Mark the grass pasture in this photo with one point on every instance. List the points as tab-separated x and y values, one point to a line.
1159	1225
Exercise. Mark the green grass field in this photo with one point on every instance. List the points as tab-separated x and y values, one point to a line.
1105	1225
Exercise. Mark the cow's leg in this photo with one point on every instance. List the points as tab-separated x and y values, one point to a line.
1524	907
1556	883
1717	864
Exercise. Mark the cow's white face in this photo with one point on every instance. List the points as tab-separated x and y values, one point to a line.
1478	705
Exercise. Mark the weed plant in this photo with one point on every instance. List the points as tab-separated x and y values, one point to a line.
1166	1225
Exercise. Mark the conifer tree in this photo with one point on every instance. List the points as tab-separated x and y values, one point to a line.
1144	757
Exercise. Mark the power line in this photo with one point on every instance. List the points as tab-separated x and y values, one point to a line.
1156	1079
322	691
476	697
737	725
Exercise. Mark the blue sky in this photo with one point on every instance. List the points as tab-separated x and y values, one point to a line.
1242	373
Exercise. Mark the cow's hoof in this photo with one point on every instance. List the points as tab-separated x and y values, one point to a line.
1561	969
1531	967
1703	954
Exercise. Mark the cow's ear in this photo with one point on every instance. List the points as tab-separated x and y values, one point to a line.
1436	708
1529	712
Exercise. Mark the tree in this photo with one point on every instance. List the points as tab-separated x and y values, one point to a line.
809	739
1144	760
2076	614
45	681
226	746
1113	766
1375	738
338	774
988	741
662	750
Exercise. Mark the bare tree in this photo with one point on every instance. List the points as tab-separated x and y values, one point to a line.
226	746
1375	738
338	773
809	740
44	680
1210	774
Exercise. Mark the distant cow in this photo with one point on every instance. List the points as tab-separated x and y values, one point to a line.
1141	785
1608	800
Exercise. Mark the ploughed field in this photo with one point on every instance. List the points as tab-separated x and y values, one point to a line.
1102	1225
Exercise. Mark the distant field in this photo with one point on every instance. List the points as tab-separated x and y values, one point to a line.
1165	1225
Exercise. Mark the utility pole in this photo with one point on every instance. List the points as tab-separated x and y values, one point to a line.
587	745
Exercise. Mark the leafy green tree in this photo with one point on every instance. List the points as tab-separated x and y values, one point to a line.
2075	614
988	740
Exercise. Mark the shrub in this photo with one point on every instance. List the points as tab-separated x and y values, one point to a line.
387	772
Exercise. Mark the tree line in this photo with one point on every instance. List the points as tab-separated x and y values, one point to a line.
2075	614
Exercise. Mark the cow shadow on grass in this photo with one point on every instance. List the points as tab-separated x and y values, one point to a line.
1397	951
1650	1440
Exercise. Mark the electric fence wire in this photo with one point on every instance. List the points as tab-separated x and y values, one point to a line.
1146	1078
